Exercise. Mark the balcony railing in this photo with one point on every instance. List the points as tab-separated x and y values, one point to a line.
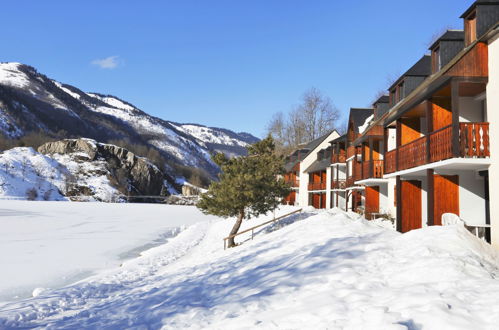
357	171
317	186
293	183
372	169
338	184
338	158
473	142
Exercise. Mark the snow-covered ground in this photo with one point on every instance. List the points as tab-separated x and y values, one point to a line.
317	270
51	244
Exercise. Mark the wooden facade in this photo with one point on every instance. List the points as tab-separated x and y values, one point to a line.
409	204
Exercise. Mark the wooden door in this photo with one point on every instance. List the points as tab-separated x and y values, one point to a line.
446	196
372	200
410	205
316	200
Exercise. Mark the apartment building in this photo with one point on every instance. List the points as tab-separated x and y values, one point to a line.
425	148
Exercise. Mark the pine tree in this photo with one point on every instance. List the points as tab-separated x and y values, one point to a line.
248	186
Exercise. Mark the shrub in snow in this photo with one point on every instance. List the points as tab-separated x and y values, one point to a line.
247	186
31	194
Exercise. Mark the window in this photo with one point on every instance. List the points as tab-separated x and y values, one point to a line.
470	28
435	60
400	91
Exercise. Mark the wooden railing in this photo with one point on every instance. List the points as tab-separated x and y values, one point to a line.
441	144
391	161
357	171
413	153
335	158
473	142
366	169
338	184
372	169
293	183
317	186
350	181
252	229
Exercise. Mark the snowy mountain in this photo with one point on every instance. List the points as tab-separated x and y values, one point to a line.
32	102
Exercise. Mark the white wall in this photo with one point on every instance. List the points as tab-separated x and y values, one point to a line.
305	163
392	210
471	198
493	117
342	173
392	139
328	187
424	201
470	110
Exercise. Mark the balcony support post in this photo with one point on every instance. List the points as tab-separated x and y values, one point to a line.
430	197
429	129
398	143
371	167
455	117
399	203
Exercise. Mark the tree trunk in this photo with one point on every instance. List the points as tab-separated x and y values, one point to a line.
235	229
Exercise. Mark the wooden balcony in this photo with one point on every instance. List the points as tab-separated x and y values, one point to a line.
292	183
471	142
372	169
357	171
335	158
338	184
316	186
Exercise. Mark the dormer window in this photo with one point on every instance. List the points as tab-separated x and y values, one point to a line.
435	60
470	28
400	91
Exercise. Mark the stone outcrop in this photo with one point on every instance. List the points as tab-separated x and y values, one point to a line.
132	175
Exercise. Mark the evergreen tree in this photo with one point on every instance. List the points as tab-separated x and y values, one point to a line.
248	186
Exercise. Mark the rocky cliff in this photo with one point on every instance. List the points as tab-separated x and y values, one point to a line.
87	161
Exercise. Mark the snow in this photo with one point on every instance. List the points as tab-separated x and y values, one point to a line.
68	91
315	270
113	102
50	244
10	75
366	124
24	169
208	135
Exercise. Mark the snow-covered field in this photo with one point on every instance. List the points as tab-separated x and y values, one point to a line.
51	244
318	270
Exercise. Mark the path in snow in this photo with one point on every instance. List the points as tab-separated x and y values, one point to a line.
329	270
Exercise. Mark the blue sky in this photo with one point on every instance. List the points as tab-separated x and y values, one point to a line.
229	64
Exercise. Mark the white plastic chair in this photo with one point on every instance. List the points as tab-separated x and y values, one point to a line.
451	219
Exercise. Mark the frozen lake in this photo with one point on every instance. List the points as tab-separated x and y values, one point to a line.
51	244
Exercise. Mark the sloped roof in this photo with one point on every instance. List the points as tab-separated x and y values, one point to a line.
479	2
340	139
422	68
319	165
449	35
308	148
383	99
358	116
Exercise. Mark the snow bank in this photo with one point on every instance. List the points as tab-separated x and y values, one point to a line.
320	269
